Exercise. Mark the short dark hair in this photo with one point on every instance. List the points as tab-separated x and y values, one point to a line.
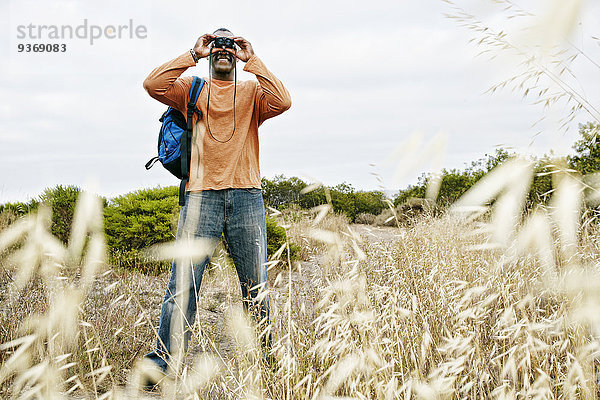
223	29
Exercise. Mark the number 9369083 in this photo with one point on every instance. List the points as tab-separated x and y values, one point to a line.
41	47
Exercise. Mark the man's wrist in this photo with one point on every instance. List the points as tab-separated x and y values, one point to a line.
194	56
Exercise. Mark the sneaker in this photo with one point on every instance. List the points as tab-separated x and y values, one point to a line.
149	386
270	362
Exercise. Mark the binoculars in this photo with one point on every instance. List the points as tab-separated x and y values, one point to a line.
222	42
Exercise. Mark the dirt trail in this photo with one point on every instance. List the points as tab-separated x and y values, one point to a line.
374	234
220	291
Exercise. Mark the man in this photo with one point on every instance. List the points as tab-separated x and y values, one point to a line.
223	194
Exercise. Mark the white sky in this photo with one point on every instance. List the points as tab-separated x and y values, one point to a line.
364	77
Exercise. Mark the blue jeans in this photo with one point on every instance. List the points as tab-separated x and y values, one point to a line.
240	215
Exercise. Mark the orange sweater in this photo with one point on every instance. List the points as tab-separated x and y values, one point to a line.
233	164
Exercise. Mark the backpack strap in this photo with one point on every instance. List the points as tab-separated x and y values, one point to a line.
186	141
150	163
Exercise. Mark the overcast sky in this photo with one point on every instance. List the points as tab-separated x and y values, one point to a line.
364	78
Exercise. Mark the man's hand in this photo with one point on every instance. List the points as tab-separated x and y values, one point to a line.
201	48
245	51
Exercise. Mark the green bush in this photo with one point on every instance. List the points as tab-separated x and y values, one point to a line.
19	209
587	158
540	191
282	193
454	182
313	198
276	237
138	220
365	218
62	200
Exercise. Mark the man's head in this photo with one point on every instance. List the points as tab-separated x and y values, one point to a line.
223	32
222	61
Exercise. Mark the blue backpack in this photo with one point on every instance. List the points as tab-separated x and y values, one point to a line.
174	139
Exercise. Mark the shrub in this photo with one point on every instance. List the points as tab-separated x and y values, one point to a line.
7	217
281	192
138	220
19	209
587	158
276	237
454	182
346	200
369	202
386	218
406	213
335	222
62	200
365	218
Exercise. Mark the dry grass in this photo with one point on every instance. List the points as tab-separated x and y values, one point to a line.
439	309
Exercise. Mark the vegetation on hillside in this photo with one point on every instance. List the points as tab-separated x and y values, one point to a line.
140	219
133	223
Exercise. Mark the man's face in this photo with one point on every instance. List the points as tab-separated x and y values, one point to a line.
221	60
